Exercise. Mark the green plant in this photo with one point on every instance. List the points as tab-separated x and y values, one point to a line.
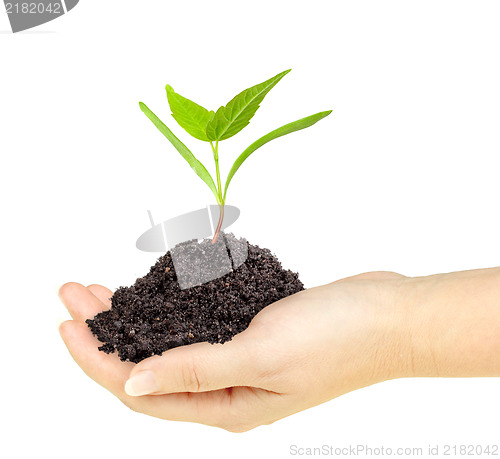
214	127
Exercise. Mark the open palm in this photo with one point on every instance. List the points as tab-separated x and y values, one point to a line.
296	353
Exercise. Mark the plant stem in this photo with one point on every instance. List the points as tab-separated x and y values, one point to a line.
219	226
220	199
216	158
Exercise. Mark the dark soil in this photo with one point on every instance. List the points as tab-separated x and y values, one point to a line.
155	315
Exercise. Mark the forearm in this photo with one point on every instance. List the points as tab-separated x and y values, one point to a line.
452	324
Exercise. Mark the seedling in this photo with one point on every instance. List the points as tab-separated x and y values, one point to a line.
214	127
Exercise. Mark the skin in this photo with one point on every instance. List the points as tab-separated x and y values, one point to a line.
305	349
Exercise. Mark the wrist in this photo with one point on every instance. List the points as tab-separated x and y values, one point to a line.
395	348
449	324
414	311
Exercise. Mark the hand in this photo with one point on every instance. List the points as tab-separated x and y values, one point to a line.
296	353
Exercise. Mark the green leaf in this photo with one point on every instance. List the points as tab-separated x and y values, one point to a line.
238	112
283	130
190	116
198	167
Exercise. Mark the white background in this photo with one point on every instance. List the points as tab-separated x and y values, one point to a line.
402	176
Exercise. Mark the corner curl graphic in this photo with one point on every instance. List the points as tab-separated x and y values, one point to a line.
25	14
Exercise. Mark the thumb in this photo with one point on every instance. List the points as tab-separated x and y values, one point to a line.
197	367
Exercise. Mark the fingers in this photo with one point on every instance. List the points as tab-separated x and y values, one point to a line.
81	303
198	367
226	409
107	370
188	383
102	293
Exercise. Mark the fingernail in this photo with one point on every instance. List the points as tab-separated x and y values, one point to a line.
142	383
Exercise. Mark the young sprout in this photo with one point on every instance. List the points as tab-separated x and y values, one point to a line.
214	127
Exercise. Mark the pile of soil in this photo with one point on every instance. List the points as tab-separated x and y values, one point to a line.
155	315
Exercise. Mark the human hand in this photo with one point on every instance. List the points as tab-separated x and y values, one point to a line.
296	353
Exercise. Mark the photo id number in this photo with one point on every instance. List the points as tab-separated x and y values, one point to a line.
33	8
